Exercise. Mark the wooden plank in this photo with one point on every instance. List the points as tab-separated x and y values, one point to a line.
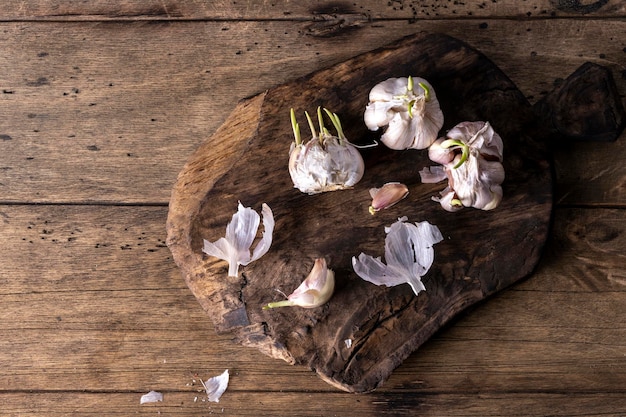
79	124
369	9
253	404
131	325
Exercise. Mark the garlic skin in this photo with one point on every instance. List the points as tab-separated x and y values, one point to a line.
410	110
409	255
216	386
386	196
314	291
326	162
471	155
240	234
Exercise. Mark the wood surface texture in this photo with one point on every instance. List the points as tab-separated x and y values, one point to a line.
102	104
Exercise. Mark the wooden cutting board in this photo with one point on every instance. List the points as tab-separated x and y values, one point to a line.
356	340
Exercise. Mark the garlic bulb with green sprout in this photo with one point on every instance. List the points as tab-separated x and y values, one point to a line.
410	110
313	292
241	232
326	162
409	254
387	195
471	160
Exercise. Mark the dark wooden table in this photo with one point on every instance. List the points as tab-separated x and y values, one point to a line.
101	106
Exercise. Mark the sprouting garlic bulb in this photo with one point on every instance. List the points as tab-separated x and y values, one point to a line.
410	110
326	162
471	158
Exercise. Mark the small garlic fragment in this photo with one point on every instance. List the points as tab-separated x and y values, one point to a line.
387	195
216	386
240	234
326	162
313	292
410	110
409	255
151	397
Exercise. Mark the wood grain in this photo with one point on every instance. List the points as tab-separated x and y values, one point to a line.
80	154
338	15
160	338
82	132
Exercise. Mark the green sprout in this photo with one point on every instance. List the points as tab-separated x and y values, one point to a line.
296	128
456	202
277	304
311	125
409	85
426	91
337	123
410	108
449	143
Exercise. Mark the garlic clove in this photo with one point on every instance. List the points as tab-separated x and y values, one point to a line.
314	291
386	196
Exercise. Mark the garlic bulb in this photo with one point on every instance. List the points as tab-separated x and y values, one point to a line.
240	234
326	162
386	196
409	255
314	291
410	110
471	158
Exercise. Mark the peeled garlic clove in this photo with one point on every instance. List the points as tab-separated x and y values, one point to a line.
386	196
314	291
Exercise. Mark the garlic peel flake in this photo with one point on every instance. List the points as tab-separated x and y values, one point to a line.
240	234
151	397
409	255
216	386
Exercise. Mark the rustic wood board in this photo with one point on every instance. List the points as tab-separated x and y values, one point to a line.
246	160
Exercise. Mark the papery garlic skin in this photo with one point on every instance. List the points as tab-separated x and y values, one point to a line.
240	234
471	155
314	291
387	195
409	254
410	110
326	162
216	386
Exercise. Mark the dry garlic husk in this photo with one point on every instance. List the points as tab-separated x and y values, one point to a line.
387	195
314	291
471	158
241	232
409	255
326	162
410	110
216	386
